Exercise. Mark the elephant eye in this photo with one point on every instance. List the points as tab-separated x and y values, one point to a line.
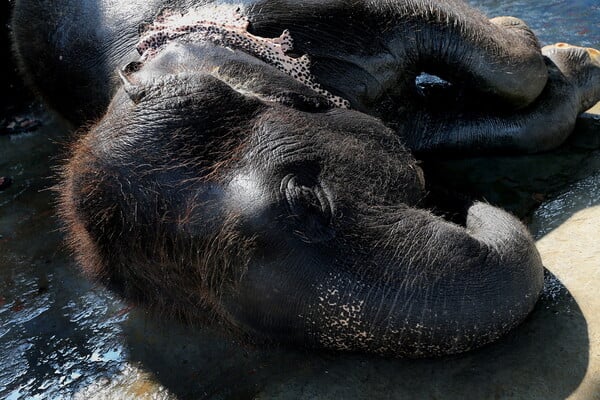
309	207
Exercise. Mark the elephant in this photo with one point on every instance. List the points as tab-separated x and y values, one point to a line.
252	164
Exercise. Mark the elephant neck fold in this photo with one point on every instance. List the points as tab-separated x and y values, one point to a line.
225	26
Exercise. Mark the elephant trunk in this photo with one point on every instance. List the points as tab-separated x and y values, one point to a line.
436	288
500	57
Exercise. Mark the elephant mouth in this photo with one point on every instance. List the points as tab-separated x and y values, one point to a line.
228	28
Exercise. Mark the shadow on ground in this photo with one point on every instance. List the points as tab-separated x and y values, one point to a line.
545	358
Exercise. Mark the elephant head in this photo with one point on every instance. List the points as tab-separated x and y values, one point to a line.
261	206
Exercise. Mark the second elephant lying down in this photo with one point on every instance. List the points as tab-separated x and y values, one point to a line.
252	165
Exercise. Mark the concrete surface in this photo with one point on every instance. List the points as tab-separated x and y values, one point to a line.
572	254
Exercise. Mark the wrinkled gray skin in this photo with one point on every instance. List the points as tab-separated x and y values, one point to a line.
216	188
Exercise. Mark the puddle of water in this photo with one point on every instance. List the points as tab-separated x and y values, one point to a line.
571	21
57	331
550	215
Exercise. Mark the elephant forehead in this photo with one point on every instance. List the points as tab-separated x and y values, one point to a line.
225	26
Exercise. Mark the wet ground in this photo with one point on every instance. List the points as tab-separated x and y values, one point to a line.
61	337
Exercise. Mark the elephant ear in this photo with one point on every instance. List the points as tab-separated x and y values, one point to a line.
309	207
134	89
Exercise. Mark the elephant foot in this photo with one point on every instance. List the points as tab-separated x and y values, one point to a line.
581	67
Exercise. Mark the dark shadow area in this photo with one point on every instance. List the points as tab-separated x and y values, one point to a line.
545	358
519	184
14	97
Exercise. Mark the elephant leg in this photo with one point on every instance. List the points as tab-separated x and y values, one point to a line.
573	87
500	58
68	50
507	64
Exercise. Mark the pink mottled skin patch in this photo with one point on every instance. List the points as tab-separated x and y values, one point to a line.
229	28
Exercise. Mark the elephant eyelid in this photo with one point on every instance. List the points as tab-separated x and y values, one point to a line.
310	208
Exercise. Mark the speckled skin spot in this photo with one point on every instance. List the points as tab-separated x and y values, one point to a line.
341	321
226	27
336	321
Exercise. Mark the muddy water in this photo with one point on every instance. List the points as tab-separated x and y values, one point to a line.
61	337
571	21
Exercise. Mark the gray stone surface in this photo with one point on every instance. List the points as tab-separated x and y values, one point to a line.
572	253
